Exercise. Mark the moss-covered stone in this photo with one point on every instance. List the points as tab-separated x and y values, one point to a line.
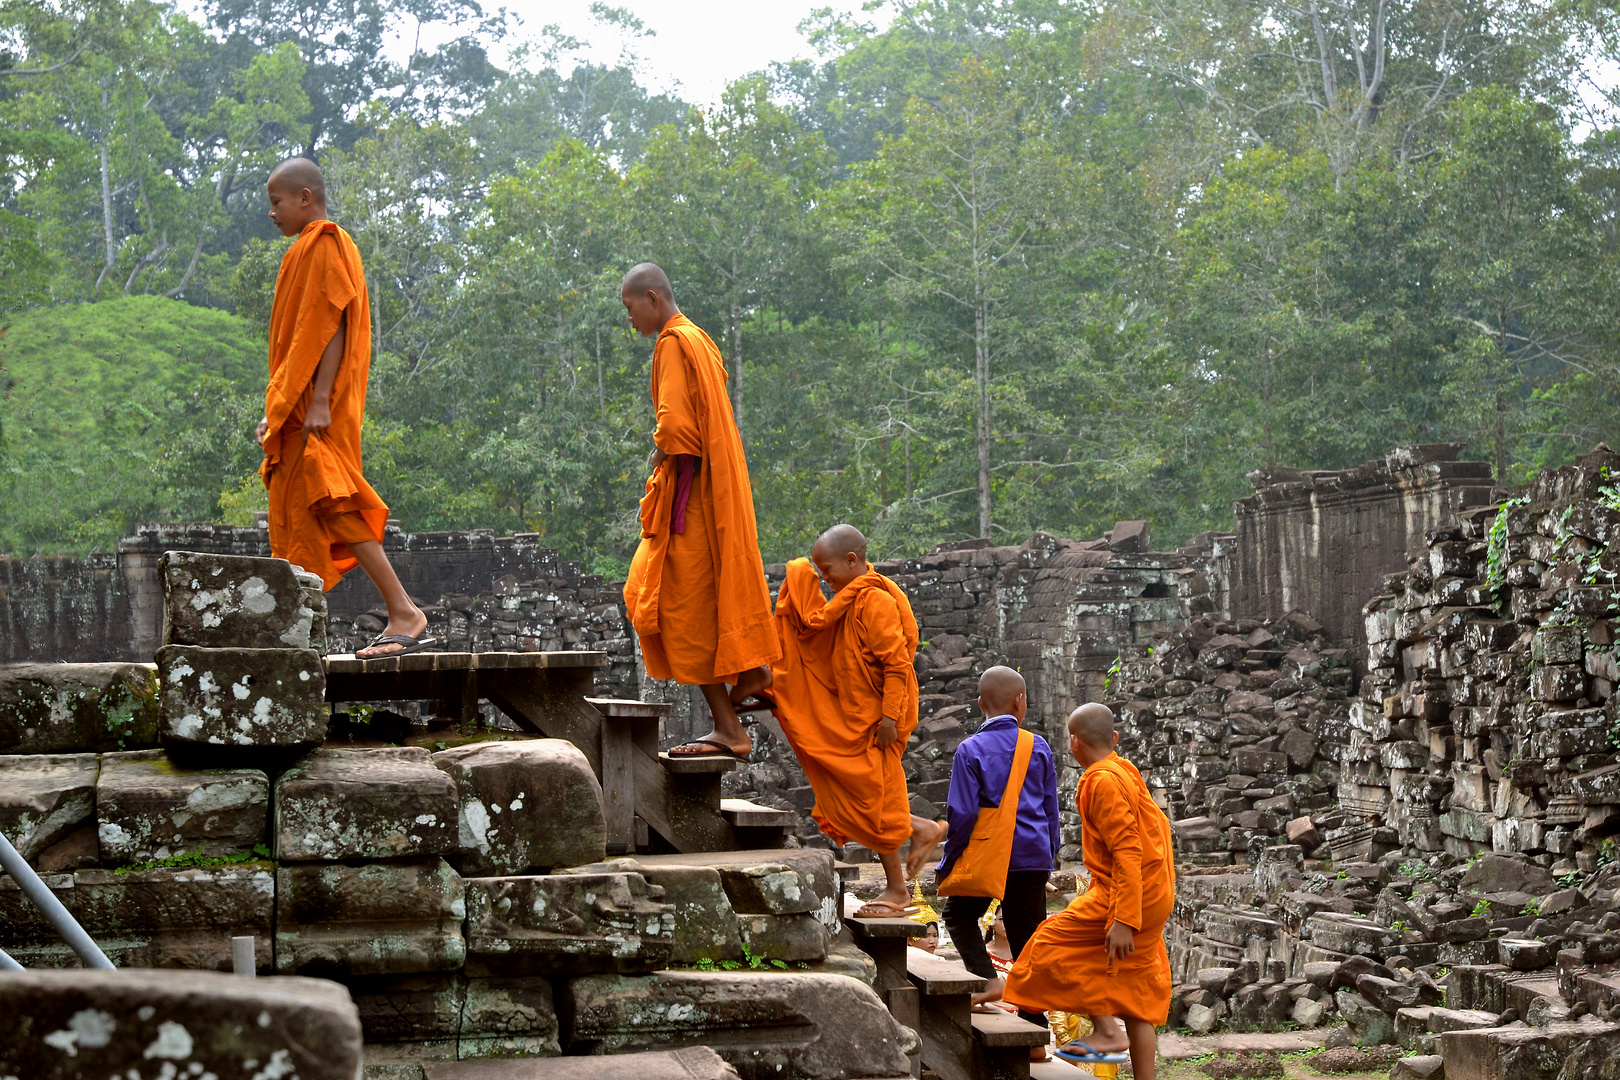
364	804
65	708
567	924
241	697
395	918
524	806
147	808
233	602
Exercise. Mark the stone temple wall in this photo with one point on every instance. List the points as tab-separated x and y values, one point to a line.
1321	542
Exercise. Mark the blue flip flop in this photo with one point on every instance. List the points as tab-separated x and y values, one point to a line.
1090	1055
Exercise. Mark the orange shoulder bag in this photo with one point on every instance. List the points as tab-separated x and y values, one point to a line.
981	869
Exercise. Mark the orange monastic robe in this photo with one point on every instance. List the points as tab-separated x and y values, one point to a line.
698	598
1126	841
319	502
846	664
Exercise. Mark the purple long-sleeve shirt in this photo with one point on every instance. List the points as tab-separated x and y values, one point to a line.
979	776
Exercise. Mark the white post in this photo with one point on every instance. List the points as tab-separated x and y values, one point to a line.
243	961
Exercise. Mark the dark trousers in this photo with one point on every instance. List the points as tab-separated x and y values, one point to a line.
1023	907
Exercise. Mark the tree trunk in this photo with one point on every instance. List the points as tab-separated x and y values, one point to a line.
1501	440
736	352
981	357
601	394
106	206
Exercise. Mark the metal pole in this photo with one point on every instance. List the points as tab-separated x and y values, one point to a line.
243	961
66	925
8	964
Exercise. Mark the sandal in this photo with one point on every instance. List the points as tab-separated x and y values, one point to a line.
720	750
882	909
1089	1055
408	645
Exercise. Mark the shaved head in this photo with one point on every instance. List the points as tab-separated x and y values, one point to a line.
841	540
1093	724
296	174
648	277
999	688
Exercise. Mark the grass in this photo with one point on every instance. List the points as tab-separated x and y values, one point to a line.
190	859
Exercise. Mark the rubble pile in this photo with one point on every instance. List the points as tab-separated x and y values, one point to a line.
1241	724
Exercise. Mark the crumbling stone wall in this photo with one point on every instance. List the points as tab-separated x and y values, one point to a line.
1321	541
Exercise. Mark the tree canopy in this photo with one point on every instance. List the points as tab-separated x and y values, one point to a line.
999	265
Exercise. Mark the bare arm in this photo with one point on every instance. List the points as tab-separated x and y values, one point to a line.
319	417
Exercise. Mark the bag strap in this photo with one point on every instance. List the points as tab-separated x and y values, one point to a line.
1022	750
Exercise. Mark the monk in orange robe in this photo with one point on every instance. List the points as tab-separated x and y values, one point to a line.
1104	954
846	696
696	591
324	517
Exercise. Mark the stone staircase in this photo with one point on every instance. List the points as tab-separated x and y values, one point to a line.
1502	1024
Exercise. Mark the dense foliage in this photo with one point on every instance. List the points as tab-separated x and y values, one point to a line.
1001	265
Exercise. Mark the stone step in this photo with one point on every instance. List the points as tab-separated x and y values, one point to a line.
691	1063
697	764
747	815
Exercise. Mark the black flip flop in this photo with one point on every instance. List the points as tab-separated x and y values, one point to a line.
755	703
721	750
411	644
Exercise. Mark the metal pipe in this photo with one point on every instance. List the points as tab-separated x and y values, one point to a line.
66	925
8	964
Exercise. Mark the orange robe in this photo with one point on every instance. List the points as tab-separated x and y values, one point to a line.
698	598
846	664
1126	841
319	502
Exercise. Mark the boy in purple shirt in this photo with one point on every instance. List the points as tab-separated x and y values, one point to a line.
979	775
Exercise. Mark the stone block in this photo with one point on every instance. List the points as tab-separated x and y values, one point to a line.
1308	1013
1557	682
395	918
364	804
410	1008
149	808
1444	1020
814	867
705	924
73	1025
822	1027
1348	934
1493	873
233	602
1369	1024
1556	644
240	697
1419	1067
766	889
45	797
1303	831
567	924
692	1063
1252	762
1525	955
523	807
784	937
509	1018
177	917
1562	1049
63	708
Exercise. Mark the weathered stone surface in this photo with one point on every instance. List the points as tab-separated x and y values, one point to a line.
394	918
692	1063
766	889
797	1027
509	1018
233	602
567	924
1419	1067
180	917
1201	1019
524	806
1444	1020
1500	874
410	1008
1525	955
62	708
705	924
45	797
1563	1049
1308	1013
149	808
1370	1024
364	804
1387	994
784	937
814	867
75	1025
241	697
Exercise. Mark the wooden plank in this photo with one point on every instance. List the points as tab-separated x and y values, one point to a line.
933	976
696	764
999	1029
947	1036
619	788
466	702
624	707
745	814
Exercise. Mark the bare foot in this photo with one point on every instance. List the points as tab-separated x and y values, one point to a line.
412	625
712	745
924	840
751	682
1108	1035
1039	1053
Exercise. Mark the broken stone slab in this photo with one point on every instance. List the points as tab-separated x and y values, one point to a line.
233	602
1521	1052
240	697
786	938
44	797
691	1063
410	1008
149	808
567	924
1419	1067
1525	955
767	889
177	917
405	1060
524	807
813	865
1308	1013
1387	994
796	1027
68	1025
1442	1020
705	924
63	708
394	918
364	804
1368	1023
1493	873
509	1018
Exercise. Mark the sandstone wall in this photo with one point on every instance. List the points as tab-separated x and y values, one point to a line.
1321	542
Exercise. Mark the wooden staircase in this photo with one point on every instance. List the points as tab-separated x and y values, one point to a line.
652	802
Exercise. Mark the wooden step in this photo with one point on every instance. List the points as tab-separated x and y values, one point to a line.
935	977
1001	1045
628	709
697	764
944	1009
747	815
